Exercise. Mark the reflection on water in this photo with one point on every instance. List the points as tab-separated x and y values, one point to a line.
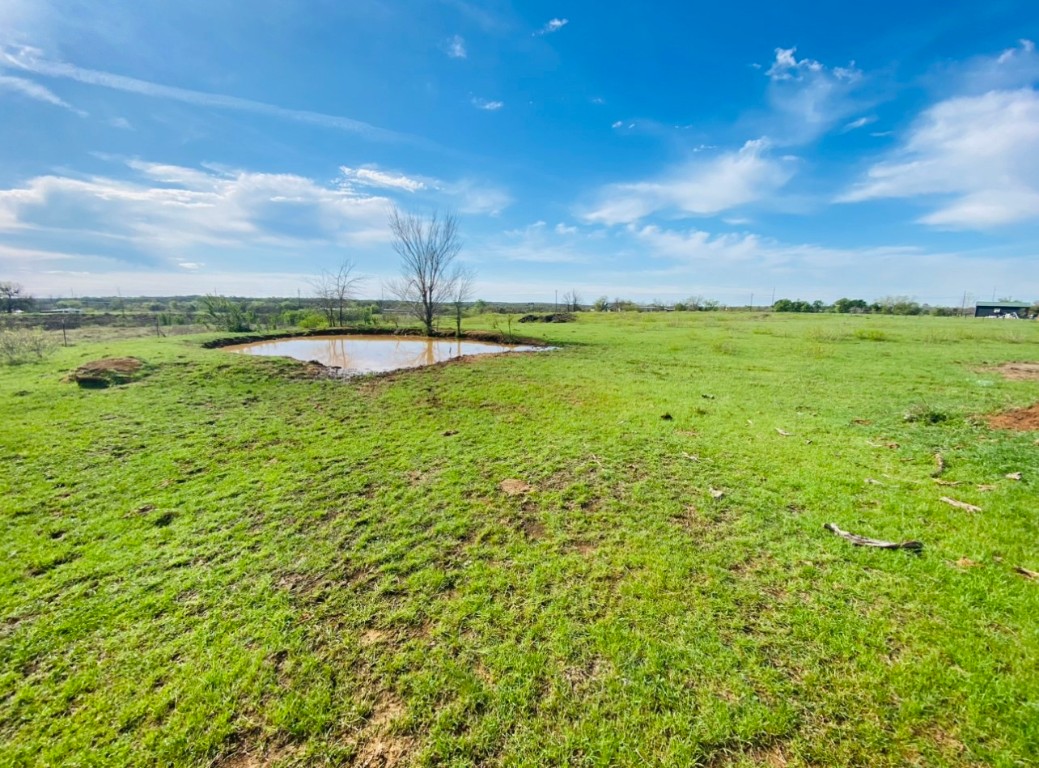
370	354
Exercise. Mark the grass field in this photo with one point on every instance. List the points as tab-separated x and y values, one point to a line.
227	563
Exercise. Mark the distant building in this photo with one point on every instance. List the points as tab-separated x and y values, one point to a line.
1014	309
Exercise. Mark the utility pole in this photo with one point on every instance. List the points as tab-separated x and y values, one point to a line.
963	306
557	301
751	302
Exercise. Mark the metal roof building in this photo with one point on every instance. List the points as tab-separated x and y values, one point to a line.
1002	309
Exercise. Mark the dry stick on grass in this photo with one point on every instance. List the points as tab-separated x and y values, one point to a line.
862	541
1026	573
960	504
939	465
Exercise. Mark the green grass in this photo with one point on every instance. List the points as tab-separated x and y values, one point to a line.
227	564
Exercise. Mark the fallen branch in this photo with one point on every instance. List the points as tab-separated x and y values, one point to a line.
1026	573
862	541
960	504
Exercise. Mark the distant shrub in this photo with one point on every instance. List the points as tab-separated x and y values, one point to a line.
23	346
227	314
312	321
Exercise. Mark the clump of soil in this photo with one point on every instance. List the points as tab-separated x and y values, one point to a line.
1022	419
107	372
1018	371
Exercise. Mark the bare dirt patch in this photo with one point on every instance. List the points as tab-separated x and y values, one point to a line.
257	759
513	487
385	748
1021	419
107	372
1017	371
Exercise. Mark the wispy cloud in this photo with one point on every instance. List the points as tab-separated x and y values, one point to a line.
537	243
485	104
699	187
974	158
371	176
34	90
552	25
808	98
475	197
454	47
30	60
1014	68
861	122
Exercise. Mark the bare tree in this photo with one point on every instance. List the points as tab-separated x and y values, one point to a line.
462	286
335	289
427	247
571	301
13	294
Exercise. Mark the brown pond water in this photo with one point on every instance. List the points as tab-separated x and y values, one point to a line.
372	354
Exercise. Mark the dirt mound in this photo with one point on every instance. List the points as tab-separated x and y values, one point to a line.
1018	371
1022	419
107	372
558	317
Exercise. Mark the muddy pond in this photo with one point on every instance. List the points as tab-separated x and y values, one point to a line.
373	354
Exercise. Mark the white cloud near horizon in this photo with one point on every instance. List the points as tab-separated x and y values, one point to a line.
171	209
700	187
27	59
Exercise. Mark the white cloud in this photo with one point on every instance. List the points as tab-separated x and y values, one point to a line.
121	122
466	195
371	176
455	47
787	67
700	187
490	106
563	229
808	98
617	124
190	265
29	59
975	158
169	209
34	90
552	25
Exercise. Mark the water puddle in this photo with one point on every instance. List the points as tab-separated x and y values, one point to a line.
374	354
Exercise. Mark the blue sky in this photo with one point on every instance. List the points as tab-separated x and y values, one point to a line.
645	151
